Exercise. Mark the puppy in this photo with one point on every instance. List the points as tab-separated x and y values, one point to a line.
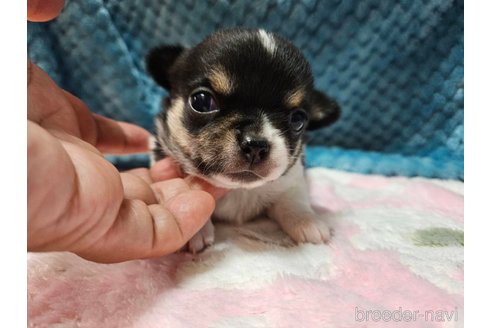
238	106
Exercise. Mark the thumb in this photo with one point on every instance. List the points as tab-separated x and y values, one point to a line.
143	231
43	10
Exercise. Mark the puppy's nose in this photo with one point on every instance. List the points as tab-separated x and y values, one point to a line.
255	149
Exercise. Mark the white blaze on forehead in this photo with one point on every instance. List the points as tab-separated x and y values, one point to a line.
267	40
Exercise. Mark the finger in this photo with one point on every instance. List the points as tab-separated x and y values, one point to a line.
143	231
119	137
108	135
65	137
46	196
47	105
54	108
165	190
86	123
191	211
200	184
43	10
134	187
165	169
142	173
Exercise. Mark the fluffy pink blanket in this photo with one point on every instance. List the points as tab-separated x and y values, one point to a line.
395	260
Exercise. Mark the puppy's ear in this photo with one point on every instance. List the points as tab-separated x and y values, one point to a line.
323	112
160	60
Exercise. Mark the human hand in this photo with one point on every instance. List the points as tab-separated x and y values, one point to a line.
43	10
79	202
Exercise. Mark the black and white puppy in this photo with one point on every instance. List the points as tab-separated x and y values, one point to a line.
239	104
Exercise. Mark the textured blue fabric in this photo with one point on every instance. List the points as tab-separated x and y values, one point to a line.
395	67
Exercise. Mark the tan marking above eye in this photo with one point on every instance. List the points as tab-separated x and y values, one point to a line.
295	98
221	82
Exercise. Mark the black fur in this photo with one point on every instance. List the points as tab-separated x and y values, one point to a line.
262	82
324	110
159	60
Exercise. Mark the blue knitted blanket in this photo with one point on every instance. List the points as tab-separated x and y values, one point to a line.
395	67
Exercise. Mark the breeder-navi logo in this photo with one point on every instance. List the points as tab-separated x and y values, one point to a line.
398	315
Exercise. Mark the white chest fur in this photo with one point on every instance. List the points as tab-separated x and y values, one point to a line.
240	205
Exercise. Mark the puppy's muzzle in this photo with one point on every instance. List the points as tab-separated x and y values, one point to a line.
254	148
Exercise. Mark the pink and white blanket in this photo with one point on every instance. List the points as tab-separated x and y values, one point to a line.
395	260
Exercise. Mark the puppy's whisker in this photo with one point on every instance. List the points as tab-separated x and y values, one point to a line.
258	175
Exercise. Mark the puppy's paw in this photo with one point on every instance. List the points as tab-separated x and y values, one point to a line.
203	238
308	229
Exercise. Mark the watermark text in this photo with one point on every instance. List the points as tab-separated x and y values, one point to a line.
401	315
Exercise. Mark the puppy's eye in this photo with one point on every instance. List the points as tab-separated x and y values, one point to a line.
297	120
203	102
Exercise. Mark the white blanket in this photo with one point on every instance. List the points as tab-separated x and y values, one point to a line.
396	259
